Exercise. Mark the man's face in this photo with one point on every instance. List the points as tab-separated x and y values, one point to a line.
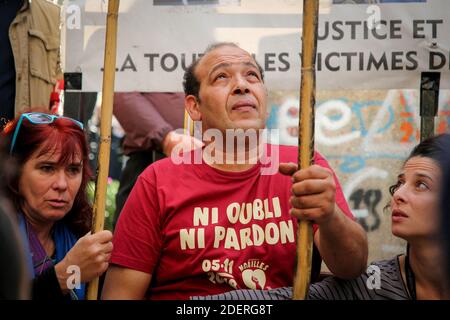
232	93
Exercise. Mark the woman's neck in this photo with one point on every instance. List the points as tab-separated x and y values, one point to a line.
426	262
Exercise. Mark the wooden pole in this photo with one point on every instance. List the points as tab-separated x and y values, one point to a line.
306	139
98	217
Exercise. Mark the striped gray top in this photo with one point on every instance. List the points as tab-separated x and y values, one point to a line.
382	281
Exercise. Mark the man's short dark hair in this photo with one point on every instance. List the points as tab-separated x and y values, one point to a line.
191	84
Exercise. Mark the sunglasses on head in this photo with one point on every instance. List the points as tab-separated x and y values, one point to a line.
38	118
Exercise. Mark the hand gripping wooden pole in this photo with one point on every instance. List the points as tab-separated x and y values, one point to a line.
306	140
98	217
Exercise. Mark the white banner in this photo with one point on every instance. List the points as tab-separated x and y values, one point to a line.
361	46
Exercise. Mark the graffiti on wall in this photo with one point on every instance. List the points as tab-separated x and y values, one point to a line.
365	136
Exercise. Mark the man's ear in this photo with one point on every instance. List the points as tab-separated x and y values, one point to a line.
192	107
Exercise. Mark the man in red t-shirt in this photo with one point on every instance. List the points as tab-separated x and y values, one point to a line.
220	218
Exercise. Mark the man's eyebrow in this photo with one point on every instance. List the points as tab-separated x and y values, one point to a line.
227	65
220	65
250	64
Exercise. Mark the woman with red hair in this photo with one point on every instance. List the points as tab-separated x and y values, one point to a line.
53	211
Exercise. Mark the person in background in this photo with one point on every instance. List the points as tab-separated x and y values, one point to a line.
50	201
150	120
30	56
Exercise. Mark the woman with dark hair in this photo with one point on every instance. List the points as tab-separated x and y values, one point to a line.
53	211
420	274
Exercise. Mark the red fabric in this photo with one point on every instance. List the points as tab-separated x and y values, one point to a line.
55	96
162	207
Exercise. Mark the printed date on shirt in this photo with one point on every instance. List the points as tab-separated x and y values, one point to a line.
212	266
216	265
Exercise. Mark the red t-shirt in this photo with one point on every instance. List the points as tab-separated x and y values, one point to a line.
202	231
